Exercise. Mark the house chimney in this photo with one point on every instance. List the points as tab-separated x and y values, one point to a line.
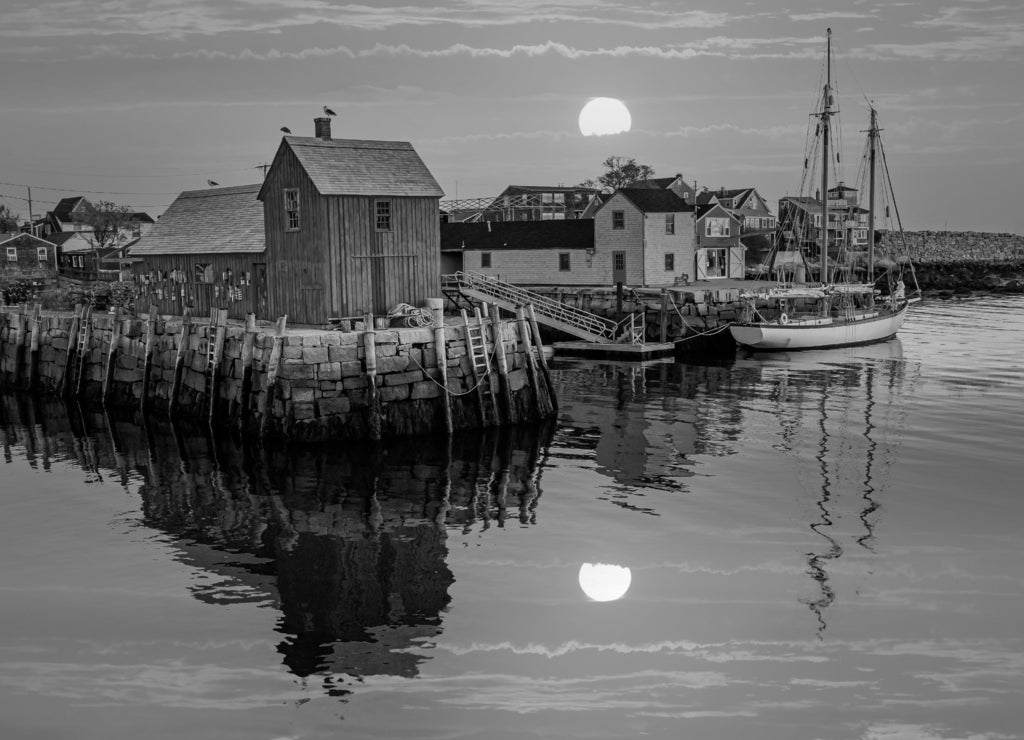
322	128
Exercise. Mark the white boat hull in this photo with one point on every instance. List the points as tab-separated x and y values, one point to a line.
794	336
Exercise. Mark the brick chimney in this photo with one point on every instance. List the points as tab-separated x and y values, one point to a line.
322	128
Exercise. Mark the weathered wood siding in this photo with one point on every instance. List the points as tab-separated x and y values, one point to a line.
337	263
300	284
237	291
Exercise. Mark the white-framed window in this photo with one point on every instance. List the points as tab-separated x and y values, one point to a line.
618	219
291	209
670	223
716	226
563	262
383	215
41	254
12	254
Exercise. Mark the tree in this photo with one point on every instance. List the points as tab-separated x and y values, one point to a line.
8	220
620	172
107	220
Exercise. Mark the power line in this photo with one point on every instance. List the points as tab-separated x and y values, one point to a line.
79	190
55	202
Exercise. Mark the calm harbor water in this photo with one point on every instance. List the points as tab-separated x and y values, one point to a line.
820	545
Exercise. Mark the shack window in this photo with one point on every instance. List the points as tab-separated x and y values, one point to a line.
563	262
485	259
717	227
618	219
203	273
383	215
41	254
670	223
670	262
12	254
618	261
291	209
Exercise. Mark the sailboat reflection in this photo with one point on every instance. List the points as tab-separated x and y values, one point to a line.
349	545
826	404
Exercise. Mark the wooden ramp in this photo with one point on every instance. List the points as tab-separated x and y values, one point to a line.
573	321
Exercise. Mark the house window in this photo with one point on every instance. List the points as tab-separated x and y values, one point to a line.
717	227
563	262
485	259
670	223
12	254
203	273
618	219
618	260
383	215
41	254
670	262
291	209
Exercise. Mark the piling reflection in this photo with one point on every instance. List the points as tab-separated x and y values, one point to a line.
348	543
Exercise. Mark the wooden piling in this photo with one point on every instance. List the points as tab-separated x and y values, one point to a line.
112	350
147	357
35	327
541	358
531	363
19	344
248	341
663	321
73	330
218	353
505	389
436	306
373	414
179	362
273	366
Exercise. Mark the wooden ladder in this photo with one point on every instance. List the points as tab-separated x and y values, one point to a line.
478	347
214	348
82	347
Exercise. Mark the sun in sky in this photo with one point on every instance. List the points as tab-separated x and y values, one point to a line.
602	116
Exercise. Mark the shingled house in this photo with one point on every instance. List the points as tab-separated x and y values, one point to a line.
206	251
351	226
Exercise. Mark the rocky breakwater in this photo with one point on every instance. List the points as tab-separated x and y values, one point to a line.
960	261
362	383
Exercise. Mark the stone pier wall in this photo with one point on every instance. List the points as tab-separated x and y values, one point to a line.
303	384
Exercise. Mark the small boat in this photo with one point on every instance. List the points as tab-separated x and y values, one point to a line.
828	313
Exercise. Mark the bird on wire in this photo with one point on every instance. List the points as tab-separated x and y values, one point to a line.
329	112
286	130
212	184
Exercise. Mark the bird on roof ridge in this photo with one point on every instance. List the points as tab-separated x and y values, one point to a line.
329	112
286	130
212	184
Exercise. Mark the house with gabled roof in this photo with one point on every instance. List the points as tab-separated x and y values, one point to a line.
207	251
352	226
24	255
645	237
676	184
719	253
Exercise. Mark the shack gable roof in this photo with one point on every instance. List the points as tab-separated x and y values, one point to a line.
66	206
361	167
9	239
215	220
496	235
649	200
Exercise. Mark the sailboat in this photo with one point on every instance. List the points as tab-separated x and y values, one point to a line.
828	313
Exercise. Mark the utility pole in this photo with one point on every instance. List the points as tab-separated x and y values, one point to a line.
263	167
31	218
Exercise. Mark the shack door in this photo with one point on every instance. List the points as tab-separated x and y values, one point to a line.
260	302
619	267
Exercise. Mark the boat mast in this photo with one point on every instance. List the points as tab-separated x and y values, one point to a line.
872	137
826	112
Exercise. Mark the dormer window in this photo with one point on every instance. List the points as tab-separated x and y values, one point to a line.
291	209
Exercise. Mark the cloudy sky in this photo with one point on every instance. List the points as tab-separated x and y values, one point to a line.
137	100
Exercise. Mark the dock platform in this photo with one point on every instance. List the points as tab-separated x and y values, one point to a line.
615	351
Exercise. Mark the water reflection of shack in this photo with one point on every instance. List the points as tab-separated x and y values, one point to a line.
349	544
